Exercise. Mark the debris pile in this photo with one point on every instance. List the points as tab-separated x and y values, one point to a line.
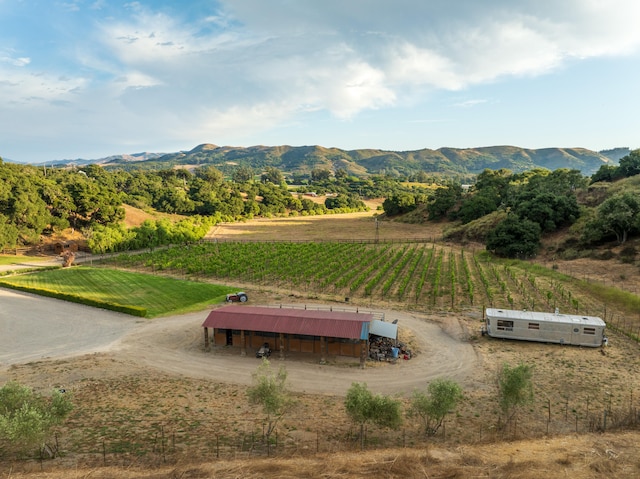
387	349
67	258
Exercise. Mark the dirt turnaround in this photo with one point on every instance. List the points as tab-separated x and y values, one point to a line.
50	329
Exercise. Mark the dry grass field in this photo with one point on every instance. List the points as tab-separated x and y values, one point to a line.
177	420
577	457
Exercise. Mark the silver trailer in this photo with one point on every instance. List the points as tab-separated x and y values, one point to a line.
545	327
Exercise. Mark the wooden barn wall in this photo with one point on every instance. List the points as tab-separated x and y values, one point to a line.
255	339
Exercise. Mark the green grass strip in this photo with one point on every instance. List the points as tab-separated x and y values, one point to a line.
132	293
6	259
611	296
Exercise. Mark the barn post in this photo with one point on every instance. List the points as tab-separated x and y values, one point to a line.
363	352
243	346
281	346
206	339
323	349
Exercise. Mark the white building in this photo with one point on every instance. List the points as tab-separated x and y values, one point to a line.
545	327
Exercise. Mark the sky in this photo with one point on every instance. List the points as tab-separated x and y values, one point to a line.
94	78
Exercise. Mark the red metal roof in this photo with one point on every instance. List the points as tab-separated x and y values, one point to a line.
334	324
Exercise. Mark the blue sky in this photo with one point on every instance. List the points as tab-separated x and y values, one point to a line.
92	78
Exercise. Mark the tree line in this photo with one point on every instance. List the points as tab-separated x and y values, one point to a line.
516	208
37	202
510	212
429	406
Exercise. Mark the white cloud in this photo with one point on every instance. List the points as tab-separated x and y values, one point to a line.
470	103
29	89
410	64
393	49
251	65
8	57
357	86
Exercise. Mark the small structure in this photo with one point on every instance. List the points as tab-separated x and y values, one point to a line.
384	329
290	330
545	327
64	246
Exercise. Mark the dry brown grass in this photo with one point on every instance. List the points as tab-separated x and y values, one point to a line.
577	383
135	216
578	457
352	226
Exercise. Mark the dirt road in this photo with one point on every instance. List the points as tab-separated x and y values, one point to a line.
34	328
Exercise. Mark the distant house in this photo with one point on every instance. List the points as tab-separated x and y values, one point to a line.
63	246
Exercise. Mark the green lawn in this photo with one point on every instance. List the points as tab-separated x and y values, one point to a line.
160	296
13	259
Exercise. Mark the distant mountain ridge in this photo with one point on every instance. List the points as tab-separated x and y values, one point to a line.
364	162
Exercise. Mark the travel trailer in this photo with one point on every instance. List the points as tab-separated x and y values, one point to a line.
545	327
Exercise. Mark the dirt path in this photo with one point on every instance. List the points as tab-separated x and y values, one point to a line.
34	327
52	329
175	345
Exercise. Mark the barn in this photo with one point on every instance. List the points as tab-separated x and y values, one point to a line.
339	333
545	327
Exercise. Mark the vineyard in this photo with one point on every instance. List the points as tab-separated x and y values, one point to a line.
413	275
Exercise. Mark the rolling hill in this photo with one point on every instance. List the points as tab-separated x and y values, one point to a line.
364	162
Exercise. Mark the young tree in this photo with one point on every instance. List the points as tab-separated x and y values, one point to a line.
515	388
441	397
363	406
26	418
270	391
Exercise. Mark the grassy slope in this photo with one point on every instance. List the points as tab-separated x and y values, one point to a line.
159	295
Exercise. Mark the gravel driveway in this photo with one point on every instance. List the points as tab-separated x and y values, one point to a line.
33	328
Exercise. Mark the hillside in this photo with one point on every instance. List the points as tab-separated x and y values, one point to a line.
443	161
125	406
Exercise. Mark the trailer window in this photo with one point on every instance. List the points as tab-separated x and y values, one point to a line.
589	330
504	325
534	325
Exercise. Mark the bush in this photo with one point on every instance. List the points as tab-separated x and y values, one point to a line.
628	254
514	238
27	418
604	255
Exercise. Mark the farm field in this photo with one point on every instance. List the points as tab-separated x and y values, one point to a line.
113	287
573	386
411	275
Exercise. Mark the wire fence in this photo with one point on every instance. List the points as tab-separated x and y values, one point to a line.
126	444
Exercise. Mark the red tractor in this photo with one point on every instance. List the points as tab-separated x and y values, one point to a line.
239	297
